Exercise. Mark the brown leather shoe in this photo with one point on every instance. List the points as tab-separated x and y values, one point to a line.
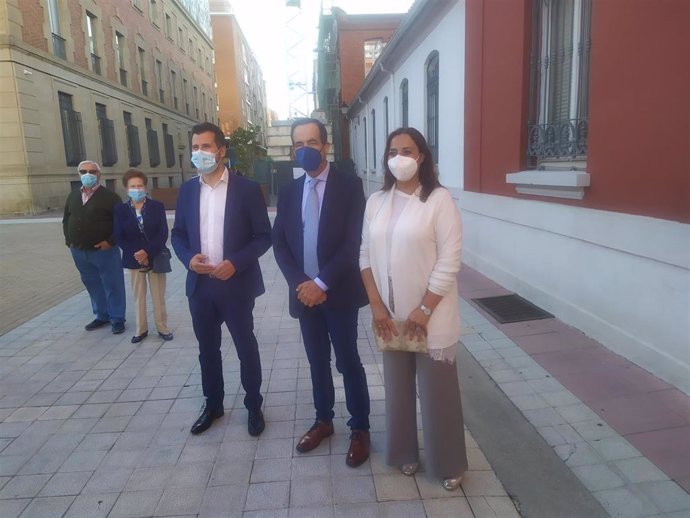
359	448
314	436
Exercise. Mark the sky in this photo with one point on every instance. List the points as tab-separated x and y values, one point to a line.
265	25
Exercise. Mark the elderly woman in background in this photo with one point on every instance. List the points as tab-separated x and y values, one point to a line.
141	231
409	259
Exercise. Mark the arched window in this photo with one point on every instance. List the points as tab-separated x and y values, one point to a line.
432	103
373	140
366	146
404	103
385	117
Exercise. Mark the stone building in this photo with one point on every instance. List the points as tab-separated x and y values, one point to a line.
120	82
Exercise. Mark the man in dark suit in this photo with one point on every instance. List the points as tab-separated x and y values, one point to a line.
221	229
316	239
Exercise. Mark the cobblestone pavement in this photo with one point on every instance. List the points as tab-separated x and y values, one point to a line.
91	425
36	269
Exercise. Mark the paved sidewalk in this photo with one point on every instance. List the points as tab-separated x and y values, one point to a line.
91	425
36	269
624	433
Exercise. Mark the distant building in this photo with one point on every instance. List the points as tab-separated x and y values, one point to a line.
120	82
570	163
348	46
240	84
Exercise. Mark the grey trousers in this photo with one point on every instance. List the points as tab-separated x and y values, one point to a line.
442	422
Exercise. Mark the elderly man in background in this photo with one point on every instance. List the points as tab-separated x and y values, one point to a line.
88	228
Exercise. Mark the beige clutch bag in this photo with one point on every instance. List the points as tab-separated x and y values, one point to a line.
401	342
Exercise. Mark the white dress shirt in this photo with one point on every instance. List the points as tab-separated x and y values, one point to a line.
212	218
320	190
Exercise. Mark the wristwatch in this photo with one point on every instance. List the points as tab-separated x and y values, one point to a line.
426	310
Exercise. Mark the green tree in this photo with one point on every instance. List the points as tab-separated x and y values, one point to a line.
245	148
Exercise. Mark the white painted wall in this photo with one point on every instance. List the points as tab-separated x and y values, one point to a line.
624	280
448	38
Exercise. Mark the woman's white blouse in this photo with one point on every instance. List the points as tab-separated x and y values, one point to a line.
425	247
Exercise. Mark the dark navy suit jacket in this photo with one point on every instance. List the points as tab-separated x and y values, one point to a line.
340	235
130	239
246	234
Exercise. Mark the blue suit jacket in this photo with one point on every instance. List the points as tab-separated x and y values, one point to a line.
340	235
128	236
246	234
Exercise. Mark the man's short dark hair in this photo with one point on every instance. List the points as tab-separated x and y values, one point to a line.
323	132
205	127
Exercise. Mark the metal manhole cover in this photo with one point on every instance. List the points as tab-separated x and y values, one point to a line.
507	309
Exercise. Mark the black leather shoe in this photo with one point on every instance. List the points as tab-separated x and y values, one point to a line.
118	328
96	324
256	423
205	419
137	339
165	336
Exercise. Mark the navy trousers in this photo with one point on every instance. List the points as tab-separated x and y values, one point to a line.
210	307
320	328
102	274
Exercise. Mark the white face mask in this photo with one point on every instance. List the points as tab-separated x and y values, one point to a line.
403	167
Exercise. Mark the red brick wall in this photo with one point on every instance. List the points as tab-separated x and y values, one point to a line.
639	128
77	33
32	33
352	33
136	22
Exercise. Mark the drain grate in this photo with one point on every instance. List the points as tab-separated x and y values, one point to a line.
507	309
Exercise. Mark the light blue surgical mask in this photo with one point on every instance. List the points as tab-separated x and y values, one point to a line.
204	161
89	180
136	194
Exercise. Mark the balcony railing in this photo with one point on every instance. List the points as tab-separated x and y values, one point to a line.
123	77
59	47
161	95
565	139
96	64
144	87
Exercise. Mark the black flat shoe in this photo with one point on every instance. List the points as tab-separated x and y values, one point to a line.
205	420
256	423
137	339
96	324
165	336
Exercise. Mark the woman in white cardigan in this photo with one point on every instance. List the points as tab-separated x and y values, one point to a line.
410	256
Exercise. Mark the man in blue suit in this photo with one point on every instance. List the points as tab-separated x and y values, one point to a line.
221	229
316	238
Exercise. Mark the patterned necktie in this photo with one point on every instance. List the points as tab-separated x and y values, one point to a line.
311	229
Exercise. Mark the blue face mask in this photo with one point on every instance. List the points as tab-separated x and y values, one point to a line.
89	180
308	158
136	194
204	161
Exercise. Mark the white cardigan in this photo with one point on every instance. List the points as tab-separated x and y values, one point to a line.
425	254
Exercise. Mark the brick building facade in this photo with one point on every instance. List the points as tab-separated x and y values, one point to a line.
348	46
120	82
241	88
